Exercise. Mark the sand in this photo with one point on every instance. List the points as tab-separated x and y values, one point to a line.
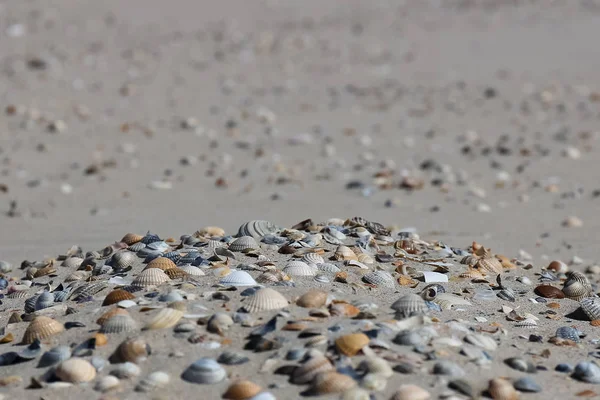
502	96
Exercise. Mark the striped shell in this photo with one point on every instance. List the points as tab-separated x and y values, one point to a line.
312	258
243	243
131	238
257	229
591	307
109	314
75	370
299	268
72	262
241	390
351	344
119	323
87	290
502	389
567	332
344	253
150	277
176	273
204	371
265	299
365	258
380	278
232	358
191	270
162	263
123	259
328	267
165	318
410	392
272	277
41	328
153	381
409	305
238	278
331	382
447	300
116	296
577	286
136	247
489	265
312	299
134	350
44	300
306	372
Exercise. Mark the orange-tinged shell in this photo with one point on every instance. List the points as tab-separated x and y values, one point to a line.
410	392
100	339
471	274
42	328
150	277
312	299
344	253
595	322
111	313
331	382
242	390
344	310
131	238
210	231
351	344
506	262
134	350
116	296
502	389
163	263
549	292
75	370
166	318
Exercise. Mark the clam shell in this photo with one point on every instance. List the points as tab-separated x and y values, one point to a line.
219	323
44	300
131	238
489	265
306	372
75	370
577	286
567	332
445	367
265	299
204	371
238	278
587	372
502	389
351	344
109	314
243	243
331	382
376	365
54	356
42	328
119	323
447	300
312	299
107	383
328	267
591	307
380	278
410	392
116	296
126	370
409	305
549	292
165	318
162	263
344	253
241	390
153	381
257	229
232	358
123	259
134	350
72	262
150	277
312	258
191	270
299	268
365	259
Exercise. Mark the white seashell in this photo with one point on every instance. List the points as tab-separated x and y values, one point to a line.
126	370
155	380
482	340
328	268
126	304
299	268
380	278
243	243
107	383
376	365
410	305
238	278
312	258
191	270
204	371
150	277
165	318
374	382
527	323
257	229
265	299
75	370
447	300
72	262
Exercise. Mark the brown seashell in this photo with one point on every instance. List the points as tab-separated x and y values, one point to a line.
344	253
405	280
294	326
502	389
331	382
111	313
341	277
163	263
505	261
14	318
557	266
312	299
553	305
595	322
150	277
134	350
75	370
343	310
100	339
50	269
410	392
471	274
41	328
9	337
176	273
131	238
116	296
242	390
549	292
351	344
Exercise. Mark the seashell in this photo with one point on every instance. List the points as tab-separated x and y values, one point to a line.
41	328
265	299
219	323
502	389
591	307
47	270
165	318
344	309
567	332
153	381
176	273
116	296
131	238
322	278
77	276
430	291
447	300
126	370
257	229
351	344
489	265
328	268
263	396
527	323
344	253
312	299
75	370
527	385
312	258
44	300
29	305
243	243
54	356
150	238
306	372
409	305
162	263
134	350
331	382
238	278
520	364
107	383
373	381
410	338
380	278
87	290
210	231
376	365
5	267
445	367
482	340
204	371
119	323
577	286
410	392
316	341
172	255
241	390
587	372
72	262
191	270
109	314
299	268
150	277
232	358
171	295
122	260
506	294
137	247
549	292
365	259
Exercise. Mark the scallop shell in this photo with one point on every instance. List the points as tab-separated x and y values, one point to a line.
77	276
109	314
257	229
75	370
119	323
44	300
344	253
150	277
238	278
88	290
447	300
116	296
243	243
72	262
131	238
410	392
312	258
123	259
41	328
54	356
502	389
328	267
591	307
351	344
549	292
365	259
299	268
150	238
153	381
126	370
134	350
527	323
241	390
174	256
272	277
136	247
162	263
166	318
265	299
312	299
331	382
306	372
489	265
204	371
409	305
191	270
379	278
577	286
